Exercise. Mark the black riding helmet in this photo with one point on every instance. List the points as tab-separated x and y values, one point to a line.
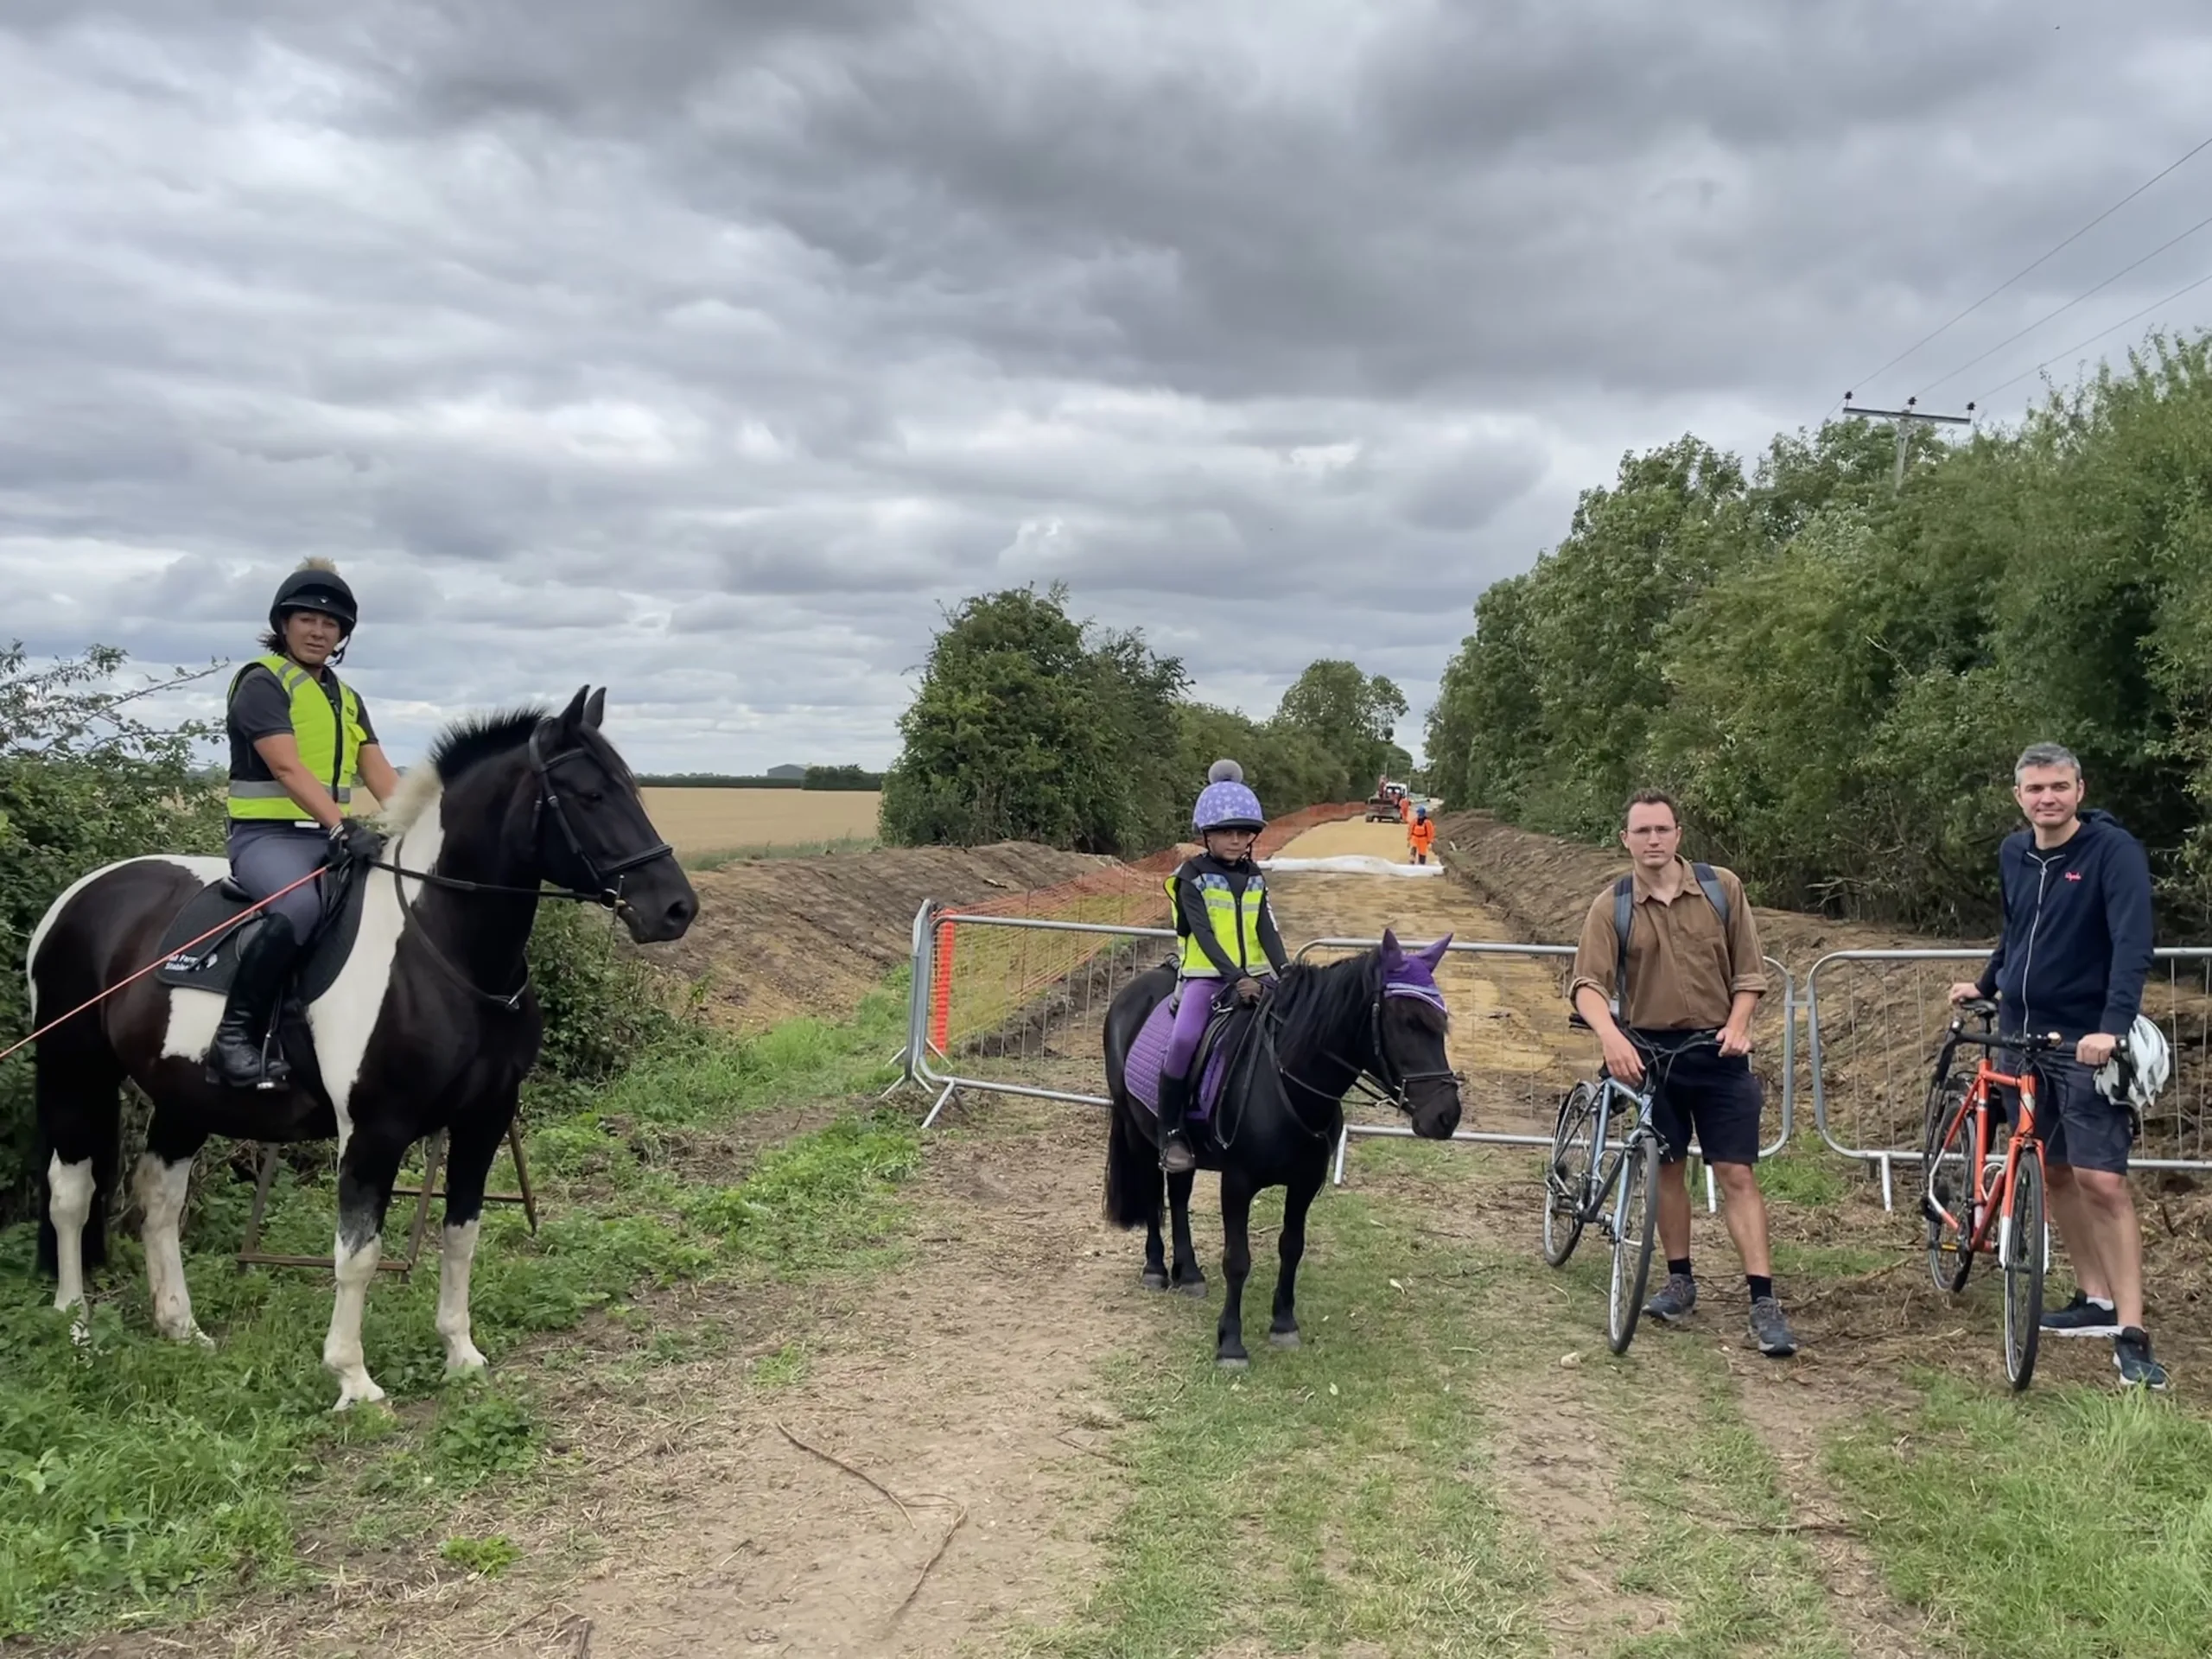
314	587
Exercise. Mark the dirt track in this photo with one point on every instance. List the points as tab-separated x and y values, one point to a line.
968	1381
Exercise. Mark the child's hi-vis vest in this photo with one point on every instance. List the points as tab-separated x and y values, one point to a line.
1236	924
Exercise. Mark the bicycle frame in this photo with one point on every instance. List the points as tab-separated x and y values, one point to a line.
2023	1140
1605	1168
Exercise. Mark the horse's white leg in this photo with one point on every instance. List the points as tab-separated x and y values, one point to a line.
341	1348
161	1188
69	1206
457	1255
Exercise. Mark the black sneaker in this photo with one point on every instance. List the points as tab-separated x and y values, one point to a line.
2131	1352
2083	1317
1675	1299
1770	1332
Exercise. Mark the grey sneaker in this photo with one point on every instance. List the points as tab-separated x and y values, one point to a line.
1771	1331
2083	1317
2131	1352
1675	1299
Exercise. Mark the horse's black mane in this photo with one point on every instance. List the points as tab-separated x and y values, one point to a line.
474	739
1335	991
1342	990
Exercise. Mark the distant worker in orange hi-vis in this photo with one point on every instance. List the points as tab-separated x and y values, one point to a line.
1420	835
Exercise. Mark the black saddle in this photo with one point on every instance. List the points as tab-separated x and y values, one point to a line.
218	911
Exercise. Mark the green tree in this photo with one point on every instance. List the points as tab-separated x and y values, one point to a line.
1285	766
1836	674
85	780
1351	717
1028	728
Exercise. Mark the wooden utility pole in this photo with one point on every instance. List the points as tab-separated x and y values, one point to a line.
1904	418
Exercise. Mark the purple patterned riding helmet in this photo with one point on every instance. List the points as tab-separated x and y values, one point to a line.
1226	803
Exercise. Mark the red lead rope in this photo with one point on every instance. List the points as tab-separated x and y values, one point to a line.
220	927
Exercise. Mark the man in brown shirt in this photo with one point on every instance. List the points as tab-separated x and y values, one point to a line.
1695	974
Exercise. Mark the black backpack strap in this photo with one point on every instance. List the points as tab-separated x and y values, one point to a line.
1623	919
1715	892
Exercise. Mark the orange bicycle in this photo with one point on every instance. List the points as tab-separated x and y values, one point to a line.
1968	1191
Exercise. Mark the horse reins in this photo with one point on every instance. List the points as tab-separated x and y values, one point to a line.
1383	1090
607	879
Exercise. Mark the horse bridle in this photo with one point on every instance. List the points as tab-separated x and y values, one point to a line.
1383	1088
609	879
606	881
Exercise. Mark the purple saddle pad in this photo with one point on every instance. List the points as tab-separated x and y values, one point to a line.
1140	1071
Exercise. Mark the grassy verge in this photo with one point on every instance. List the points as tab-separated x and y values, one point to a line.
2066	1523
139	1481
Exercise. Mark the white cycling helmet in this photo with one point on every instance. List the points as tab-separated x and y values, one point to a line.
2138	1067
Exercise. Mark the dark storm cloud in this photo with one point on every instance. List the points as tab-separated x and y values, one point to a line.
708	348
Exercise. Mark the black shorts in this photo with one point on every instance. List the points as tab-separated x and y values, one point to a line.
2081	1129
1715	1094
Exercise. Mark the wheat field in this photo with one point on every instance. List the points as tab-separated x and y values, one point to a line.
697	822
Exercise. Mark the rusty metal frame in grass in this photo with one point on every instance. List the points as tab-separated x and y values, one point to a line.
251	1255
1911	1053
1500	1138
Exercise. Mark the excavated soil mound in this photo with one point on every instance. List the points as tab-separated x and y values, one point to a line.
1545	886
780	937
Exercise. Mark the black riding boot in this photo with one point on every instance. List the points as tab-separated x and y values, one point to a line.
1176	1157
236	1056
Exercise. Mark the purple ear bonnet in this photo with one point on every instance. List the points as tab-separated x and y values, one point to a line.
1413	973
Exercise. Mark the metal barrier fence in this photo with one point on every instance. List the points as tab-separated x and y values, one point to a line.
1012	1005
1555	1072
1063	975
1046	983
1874	1018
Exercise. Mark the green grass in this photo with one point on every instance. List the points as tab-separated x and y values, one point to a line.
145	1480
838	846
1332	1495
2068	1523
1710	1523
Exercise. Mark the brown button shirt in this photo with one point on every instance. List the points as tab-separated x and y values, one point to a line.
1684	968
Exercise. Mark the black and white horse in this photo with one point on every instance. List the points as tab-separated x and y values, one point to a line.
430	1024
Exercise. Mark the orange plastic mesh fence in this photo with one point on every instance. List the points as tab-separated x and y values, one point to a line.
983	976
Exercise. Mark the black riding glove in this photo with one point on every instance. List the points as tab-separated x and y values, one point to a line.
353	842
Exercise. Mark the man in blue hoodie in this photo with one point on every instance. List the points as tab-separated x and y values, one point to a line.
2075	953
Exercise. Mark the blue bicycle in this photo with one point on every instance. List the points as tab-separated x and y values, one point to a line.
1617	1187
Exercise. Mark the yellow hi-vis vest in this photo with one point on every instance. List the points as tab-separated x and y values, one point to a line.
1236	925
329	737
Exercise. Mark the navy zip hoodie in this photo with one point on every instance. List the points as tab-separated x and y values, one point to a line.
2076	947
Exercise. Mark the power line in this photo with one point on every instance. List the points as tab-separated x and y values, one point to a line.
2032	264
2069	306
2187	288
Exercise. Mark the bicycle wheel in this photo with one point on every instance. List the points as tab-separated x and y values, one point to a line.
1947	1180
2023	1254
1636	1229
1567	1176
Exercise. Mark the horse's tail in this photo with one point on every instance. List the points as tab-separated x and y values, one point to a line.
1132	1172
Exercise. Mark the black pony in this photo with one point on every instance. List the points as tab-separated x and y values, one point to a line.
1280	1111
430	1024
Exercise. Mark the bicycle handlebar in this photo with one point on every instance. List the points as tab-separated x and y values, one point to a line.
1983	1009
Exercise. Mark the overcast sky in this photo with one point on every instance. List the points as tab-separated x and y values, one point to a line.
704	348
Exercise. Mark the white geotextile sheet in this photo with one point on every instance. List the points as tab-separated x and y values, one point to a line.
1350	864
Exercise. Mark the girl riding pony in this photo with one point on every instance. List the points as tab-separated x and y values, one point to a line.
1229	943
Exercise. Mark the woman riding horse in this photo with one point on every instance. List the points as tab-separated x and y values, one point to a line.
300	740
